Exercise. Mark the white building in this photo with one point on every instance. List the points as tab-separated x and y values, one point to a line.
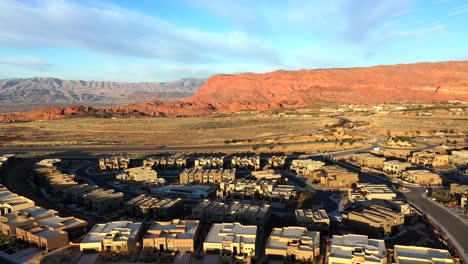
232	238
421	255
350	249
118	236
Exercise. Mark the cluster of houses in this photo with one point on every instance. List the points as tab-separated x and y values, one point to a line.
326	176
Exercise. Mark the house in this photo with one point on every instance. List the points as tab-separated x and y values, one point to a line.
158	209
422	177
293	241
413	254
313	220
395	166
175	235
118	236
352	249
375	221
231	238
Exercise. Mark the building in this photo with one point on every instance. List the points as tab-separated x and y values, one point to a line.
427	158
413	254
103	201
313	220
458	189
9	222
294	242
266	175
352	249
74	194
247	189
172	162
369	160
218	212
395	166
11	202
209	162
206	175
248	163
306	166
138	175
459	157
115	163
158	209
118	236
375	221
422	177
337	177
175	235
277	162
231	238
370	191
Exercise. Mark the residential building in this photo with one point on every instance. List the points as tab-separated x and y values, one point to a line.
247	189
423	177
250	163
103	201
369	160
172	162
277	162
231	238
9	222
11	202
337	177
370	191
158	209
206	175
118	236
458	189
175	235
353	249
395	166
75	194
422	255
138	175
266	175
459	157
115	163
313	220
209	162
427	158
306	166
375	221
295	242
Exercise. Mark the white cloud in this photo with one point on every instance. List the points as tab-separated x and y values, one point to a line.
459	10
27	63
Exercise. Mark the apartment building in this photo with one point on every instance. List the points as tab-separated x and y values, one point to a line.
413	254
277	162
313	220
75	194
209	162
115	163
375	221
306	166
266	175
245	162
395	166
172	162
9	222
427	158
369	160
138	175
337	177
423	177
118	236
231	238
370	191
206	175
246	189
175	235
158	209
459	157
217	212
351	249
11	202
294	242
103	201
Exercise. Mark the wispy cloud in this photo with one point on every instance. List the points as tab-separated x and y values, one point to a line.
28	63
111	29
459	10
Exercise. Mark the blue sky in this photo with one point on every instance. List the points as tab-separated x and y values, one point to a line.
144	41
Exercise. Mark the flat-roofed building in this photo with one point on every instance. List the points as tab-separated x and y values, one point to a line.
118	236
459	157
263	189
158	209
376	221
370	191
427	158
266	175
352	249
163	162
248	214
458	189
369	160
103	201
423	177
9	222
175	235
138	175
306	166
337	177
231	238
313	220
206	175
11	202
75	194
209	162
395	166
421	255
295	242
277	162
246	162
115	163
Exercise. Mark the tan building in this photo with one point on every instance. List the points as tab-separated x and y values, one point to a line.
206	175
427	158
294	242
353	249
118	236
231	238
370	191
369	160
266	175
250	163
175	235
11	202
115	163
456	188
158	209
246	189
376	221
9	222
209	163
459	157
306	166
337	177
75	194
422	177
313	220
138	175
172	162
103	201
277	162
395	166
421	255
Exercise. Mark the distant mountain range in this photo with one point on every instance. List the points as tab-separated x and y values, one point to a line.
27	94
419	82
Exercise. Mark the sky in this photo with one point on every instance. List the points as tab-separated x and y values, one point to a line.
147	41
